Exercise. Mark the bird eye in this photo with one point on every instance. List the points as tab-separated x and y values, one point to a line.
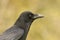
30	15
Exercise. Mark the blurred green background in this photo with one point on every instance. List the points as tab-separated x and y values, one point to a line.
47	28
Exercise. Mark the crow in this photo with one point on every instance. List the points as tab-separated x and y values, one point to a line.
21	27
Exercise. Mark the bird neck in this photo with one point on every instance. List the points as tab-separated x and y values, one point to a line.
26	30
25	26
20	23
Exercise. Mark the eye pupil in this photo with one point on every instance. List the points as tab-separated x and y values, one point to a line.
30	15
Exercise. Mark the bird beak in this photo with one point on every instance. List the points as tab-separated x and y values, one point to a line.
38	16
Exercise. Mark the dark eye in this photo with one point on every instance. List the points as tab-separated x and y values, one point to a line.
30	15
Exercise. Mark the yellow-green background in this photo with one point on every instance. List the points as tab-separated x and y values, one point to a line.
47	28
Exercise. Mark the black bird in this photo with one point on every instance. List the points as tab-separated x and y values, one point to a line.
21	27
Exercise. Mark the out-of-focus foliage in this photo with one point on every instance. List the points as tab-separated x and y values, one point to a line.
47	28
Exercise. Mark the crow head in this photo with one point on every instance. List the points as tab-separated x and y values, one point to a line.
29	17
25	20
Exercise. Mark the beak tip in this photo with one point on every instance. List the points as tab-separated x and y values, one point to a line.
41	16
38	16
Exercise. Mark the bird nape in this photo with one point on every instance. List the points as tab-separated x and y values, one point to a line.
21	27
25	20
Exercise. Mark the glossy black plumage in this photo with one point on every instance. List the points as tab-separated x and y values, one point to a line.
21	27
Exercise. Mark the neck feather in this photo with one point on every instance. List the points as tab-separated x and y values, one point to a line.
25	26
